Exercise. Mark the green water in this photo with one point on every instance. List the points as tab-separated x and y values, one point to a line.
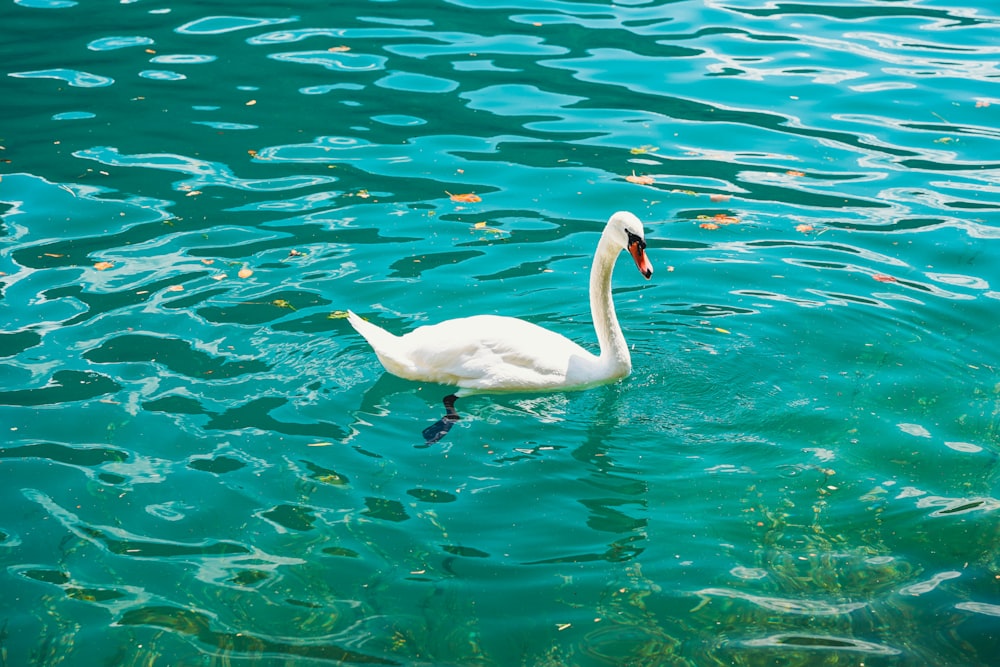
203	464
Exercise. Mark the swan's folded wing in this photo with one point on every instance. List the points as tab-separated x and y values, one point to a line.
489	352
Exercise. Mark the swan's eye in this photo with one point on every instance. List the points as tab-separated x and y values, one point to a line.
635	238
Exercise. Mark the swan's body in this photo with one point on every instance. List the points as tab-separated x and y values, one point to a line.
485	353
491	353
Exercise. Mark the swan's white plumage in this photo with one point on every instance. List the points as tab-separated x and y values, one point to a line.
490	353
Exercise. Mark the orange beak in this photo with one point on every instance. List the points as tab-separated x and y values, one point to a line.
637	248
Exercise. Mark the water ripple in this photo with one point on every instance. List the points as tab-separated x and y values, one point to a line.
815	642
345	62
73	77
203	173
217	25
114	43
786	605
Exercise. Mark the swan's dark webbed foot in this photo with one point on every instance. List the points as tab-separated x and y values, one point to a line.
440	428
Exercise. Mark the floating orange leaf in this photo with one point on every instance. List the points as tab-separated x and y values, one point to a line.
245	272
175	288
884	278
101	266
795	174
208	262
708	225
721	219
640	180
467	198
980	104
715	197
803	228
338	49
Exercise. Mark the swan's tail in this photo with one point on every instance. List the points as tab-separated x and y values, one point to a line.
388	348
377	337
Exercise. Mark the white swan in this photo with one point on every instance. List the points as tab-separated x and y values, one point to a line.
491	353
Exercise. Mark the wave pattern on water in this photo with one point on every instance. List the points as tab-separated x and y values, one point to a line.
802	467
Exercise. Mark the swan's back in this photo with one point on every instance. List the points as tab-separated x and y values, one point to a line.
482	353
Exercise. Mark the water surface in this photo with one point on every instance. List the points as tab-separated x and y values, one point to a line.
203	463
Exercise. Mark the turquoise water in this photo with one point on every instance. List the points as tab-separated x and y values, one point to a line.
203	464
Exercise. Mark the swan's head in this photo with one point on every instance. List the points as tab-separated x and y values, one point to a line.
625	231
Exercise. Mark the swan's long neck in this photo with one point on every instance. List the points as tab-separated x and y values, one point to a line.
615	359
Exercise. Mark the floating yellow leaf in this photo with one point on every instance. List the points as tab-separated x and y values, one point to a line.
642	150
281	303
338	49
482	226
319	444
721	330
101	266
468	198
337	315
